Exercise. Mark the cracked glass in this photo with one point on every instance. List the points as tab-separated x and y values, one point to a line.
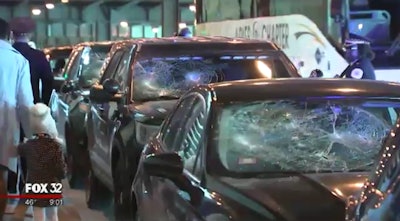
91	62
162	77
309	136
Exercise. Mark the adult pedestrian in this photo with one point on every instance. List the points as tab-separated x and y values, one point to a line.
16	98
22	28
316	73
40	69
184	32
360	55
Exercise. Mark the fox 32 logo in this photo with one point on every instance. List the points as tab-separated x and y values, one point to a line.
44	188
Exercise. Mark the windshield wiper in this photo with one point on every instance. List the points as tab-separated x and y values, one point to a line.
302	175
361	168
276	174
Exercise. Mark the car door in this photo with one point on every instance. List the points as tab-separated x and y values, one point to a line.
59	103
88	73
184	135
190	149
98	124
73	97
113	113
102	113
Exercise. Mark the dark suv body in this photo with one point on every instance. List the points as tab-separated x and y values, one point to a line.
70	105
142	82
266	155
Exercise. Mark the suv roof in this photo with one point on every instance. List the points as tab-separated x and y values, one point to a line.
261	89
196	40
95	43
57	52
59	48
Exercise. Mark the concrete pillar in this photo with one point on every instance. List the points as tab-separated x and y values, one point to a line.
6	13
100	16
22	9
170	16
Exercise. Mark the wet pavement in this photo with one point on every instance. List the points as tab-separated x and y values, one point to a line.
74	208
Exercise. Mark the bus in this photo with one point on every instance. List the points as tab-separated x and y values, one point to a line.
310	32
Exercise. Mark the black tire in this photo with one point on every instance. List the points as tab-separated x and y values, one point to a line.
71	168
137	217
123	210
98	197
76	157
134	207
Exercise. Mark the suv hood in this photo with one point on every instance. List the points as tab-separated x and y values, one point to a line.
149	117
313	197
155	111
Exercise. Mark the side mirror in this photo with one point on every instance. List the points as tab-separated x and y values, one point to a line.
108	91
111	86
167	165
170	166
68	87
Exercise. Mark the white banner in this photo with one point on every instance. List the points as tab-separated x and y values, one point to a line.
298	37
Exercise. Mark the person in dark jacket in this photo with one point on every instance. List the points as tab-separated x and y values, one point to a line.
22	28
316	73
40	69
360	56
184	32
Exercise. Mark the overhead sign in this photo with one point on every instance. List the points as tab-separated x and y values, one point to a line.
278	33
298	37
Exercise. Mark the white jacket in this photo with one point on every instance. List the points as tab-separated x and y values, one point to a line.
16	98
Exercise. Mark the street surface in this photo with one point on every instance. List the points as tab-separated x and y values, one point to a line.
74	208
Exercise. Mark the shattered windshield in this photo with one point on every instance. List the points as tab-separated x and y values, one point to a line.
173	76
303	136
